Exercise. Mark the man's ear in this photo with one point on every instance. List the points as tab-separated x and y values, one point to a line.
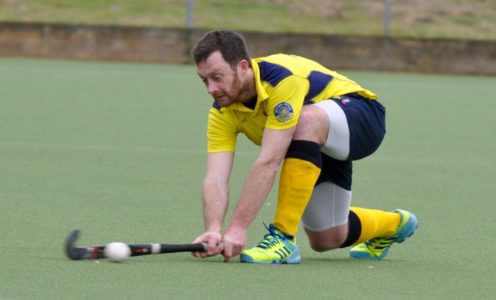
244	64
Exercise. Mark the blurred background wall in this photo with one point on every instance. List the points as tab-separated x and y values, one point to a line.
444	36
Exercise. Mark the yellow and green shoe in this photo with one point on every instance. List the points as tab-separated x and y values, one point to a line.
275	248
378	248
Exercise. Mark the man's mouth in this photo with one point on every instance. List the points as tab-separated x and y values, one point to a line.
220	98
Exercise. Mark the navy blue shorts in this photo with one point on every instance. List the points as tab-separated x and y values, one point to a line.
367	125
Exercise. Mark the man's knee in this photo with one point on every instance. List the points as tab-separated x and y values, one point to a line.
329	239
313	125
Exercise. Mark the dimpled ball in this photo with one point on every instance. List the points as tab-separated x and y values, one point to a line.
117	252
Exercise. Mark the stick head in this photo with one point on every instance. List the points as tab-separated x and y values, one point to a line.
73	252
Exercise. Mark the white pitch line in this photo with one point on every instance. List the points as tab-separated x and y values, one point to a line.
87	147
62	72
487	162
114	148
419	160
100	147
436	86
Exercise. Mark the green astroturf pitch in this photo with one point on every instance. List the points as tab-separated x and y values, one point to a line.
118	151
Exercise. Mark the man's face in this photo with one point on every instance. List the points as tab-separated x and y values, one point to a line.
222	82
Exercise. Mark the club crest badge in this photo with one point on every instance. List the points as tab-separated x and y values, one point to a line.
283	112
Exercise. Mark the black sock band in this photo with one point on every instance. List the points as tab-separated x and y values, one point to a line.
305	150
354	230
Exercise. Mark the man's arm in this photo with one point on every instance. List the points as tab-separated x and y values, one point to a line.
216	189
260	179
215	193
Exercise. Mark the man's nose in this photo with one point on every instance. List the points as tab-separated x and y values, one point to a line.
211	88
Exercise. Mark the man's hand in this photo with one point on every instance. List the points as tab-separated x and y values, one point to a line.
213	240
234	242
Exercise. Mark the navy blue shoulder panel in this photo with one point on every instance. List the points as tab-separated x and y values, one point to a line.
318	82
216	105
272	73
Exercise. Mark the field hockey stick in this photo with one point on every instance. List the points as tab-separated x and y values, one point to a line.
97	251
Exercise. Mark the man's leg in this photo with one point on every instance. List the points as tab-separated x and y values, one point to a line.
299	173
358	124
371	223
301	168
376	244
328	219
373	231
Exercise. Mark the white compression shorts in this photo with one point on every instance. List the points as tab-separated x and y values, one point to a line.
329	204
337	145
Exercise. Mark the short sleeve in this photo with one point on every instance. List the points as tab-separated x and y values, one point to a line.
285	102
221	131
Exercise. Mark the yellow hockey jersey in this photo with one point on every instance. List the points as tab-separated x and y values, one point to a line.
284	83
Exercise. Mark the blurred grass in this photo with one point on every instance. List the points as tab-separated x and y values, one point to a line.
473	19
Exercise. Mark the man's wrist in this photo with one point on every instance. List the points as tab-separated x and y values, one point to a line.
213	228
237	225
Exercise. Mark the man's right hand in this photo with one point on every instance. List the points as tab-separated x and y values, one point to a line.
213	240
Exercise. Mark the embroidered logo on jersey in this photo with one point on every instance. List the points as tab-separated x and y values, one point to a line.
283	112
345	101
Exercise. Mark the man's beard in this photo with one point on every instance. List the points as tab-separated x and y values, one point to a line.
235	93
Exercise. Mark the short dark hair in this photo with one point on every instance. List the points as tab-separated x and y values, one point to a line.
231	45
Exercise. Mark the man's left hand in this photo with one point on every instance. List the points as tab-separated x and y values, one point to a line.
234	241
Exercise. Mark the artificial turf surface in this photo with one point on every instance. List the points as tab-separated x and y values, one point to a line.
118	151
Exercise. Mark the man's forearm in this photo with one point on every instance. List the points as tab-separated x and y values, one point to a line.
257	187
215	203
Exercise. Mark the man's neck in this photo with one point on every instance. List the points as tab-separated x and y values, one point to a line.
249	89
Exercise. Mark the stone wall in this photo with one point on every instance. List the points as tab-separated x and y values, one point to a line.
168	45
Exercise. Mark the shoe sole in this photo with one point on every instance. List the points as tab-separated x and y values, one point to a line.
293	259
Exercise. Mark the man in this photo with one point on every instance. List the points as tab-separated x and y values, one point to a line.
311	120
